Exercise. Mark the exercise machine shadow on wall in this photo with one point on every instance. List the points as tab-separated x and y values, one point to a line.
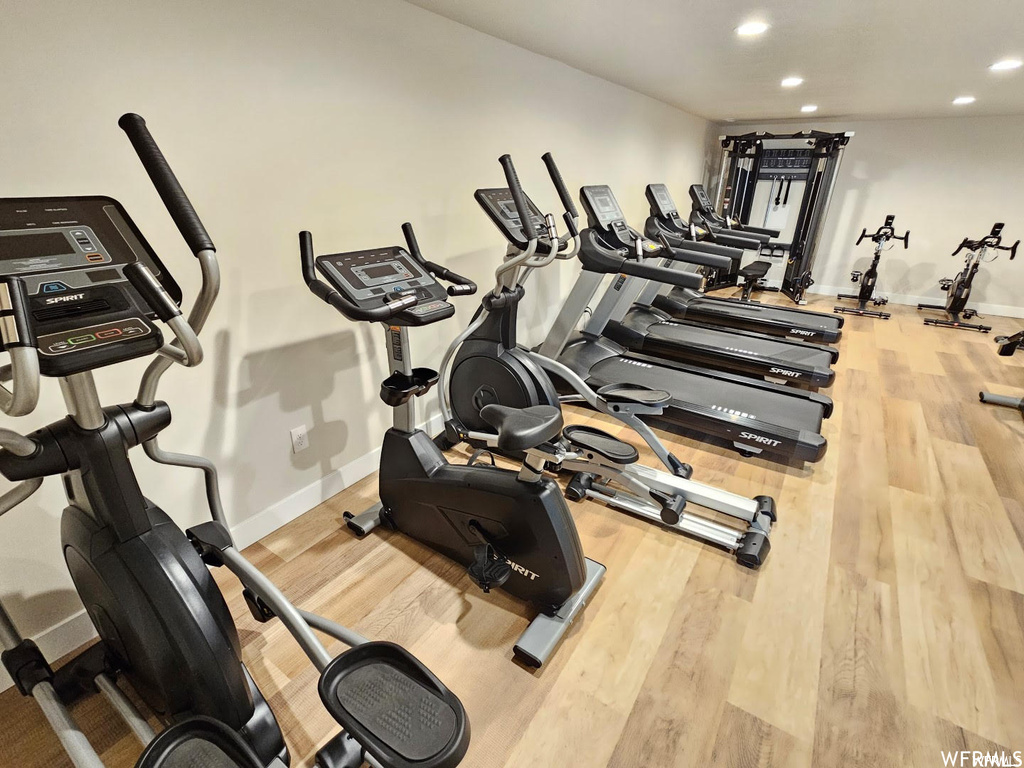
486	365
509	529
869	278
82	289
958	289
1007	346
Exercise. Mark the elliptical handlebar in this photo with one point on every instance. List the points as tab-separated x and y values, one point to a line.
166	183
518	197
563	192
460	286
323	291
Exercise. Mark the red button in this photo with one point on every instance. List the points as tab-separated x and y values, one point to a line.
94	257
108	334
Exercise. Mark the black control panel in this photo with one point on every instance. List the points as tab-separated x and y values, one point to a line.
501	209
367	277
69	253
662	204
700	199
604	214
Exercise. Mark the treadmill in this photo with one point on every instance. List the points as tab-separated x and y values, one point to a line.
688	304
756	417
629	319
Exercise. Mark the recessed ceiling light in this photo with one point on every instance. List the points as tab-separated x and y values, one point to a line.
791	82
809	108
751	29
962	100
1005	64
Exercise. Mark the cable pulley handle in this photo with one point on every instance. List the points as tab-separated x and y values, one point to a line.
166	183
563	192
352	311
519	198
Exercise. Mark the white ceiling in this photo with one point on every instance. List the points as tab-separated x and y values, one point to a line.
871	58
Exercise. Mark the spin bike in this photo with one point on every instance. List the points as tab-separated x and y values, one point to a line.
485	366
958	289
1007	346
509	529
81	289
867	280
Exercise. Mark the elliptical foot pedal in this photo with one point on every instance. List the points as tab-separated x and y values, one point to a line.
395	708
601	443
633	394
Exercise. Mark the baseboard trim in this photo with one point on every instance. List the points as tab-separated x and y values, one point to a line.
983	308
76	630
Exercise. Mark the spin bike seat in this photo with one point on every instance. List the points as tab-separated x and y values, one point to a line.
633	394
601	443
395	708
520	429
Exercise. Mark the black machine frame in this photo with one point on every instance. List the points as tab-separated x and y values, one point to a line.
745	162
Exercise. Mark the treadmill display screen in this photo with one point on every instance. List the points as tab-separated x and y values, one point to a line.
604	205
666	205
700	197
43	244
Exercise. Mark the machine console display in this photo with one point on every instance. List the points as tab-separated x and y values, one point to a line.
602	208
700	198
501	209
69	253
367	278
661	201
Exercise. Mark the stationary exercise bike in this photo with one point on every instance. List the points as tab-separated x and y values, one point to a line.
509	529
81	289
1007	346
485	366
868	279
958	289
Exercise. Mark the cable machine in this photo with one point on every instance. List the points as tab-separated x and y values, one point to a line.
783	182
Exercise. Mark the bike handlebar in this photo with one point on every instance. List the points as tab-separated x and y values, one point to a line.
460	286
329	295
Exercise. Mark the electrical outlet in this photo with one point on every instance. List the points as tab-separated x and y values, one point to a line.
300	439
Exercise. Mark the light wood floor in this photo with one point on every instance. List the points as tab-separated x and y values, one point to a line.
887	625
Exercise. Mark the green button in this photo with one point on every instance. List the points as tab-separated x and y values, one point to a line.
82	339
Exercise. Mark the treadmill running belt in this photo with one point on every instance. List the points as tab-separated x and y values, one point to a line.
779	350
794	317
794	413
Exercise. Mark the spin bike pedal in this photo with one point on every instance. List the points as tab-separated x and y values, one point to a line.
855	277
945	284
394	708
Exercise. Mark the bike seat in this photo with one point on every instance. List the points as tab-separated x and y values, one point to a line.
200	741
755	270
395	708
633	393
520	429
601	443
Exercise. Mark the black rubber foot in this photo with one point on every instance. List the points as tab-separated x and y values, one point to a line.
754	550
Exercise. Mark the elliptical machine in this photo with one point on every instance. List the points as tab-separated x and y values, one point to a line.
484	365
1007	346
510	529
80	289
867	279
958	289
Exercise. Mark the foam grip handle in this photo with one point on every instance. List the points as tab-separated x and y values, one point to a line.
518	196
143	281
863	234
412	242
1013	250
556	178
906	240
663	275
166	183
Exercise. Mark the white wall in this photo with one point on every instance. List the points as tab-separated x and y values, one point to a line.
945	179
340	116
